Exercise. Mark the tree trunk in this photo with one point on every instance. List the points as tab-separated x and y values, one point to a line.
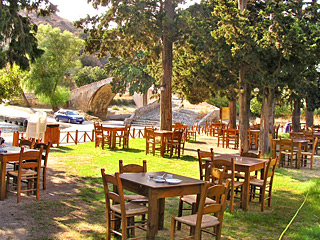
26	100
244	110
165	96
233	114
309	115
145	98
267	119
296	116
243	100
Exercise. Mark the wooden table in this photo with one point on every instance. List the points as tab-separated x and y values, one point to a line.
298	142
12	155
164	134
157	192
113	133
246	165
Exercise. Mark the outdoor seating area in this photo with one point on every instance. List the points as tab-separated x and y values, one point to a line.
147	194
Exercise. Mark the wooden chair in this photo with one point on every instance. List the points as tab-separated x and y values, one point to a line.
192	134
232	138
28	172
202	220
276	130
253	139
234	185
309	136
274	148
287	153
126	136
307	157
152	140
101	136
221	137
207	173
174	144
134	168
264	185
118	210
44	161
28	143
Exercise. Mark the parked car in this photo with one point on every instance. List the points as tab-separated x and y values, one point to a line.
68	116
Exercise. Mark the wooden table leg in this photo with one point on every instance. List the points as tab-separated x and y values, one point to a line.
245	194
153	215
299	156
163	145
113	140
161	203
3	181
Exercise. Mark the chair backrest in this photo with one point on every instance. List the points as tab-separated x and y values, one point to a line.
46	148
276	130
98	128
29	159
250	154
217	175
308	135
230	169
286	145
219	194
132	168
177	135
115	196
270	170
202	165
149	133
26	143
232	132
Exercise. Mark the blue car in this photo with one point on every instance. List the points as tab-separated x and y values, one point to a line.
68	116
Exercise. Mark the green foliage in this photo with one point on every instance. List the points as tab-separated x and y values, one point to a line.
17	33
89	75
119	101
49	73
10	78
115	108
219	101
130	73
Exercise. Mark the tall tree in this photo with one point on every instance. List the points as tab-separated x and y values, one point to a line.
48	73
135	26
17	33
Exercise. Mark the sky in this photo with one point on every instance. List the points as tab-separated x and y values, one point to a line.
75	9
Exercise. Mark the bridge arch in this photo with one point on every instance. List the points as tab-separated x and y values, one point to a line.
94	97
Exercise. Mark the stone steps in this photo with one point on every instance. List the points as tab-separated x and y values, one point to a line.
146	122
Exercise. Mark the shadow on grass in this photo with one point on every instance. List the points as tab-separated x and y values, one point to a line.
61	149
296	174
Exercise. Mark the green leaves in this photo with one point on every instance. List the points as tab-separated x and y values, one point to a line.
49	74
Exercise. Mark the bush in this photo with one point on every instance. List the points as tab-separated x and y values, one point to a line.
115	108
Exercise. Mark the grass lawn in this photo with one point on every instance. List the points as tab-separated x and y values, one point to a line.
81	215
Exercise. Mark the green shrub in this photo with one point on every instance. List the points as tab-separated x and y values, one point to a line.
124	108
115	107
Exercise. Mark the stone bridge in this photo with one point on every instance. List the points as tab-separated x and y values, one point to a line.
94	97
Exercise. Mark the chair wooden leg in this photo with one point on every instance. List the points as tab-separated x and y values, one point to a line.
263	195
180	213
44	172
19	192
173	227
231	200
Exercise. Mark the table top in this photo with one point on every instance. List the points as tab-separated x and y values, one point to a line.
295	140
143	180
113	127
10	150
245	161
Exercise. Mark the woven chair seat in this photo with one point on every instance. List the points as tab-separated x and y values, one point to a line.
207	220
24	173
192	199
132	209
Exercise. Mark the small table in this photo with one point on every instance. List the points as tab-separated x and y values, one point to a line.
113	133
157	192
247	165
12	155
164	134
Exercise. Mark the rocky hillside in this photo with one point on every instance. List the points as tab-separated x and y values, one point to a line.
56	21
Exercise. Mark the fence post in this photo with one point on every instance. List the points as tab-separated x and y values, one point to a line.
76	138
68	137
92	139
133	134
